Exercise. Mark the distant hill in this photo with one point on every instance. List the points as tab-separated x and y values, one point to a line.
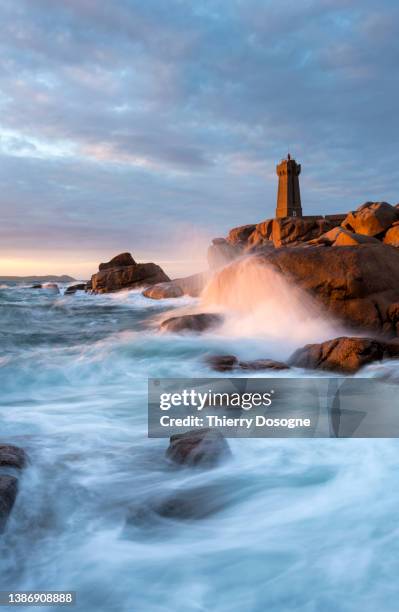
37	279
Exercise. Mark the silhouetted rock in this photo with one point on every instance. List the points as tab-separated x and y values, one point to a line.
118	274
119	261
371	219
191	323
8	494
356	284
392	235
74	288
343	354
163	291
36	286
12	456
205	447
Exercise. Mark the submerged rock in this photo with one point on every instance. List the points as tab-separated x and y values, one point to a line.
263	364
74	288
225	363
163	290
371	218
12	456
122	272
343	354
191	323
36	286
205	447
8	494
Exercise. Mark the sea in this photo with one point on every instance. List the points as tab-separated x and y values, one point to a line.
298	524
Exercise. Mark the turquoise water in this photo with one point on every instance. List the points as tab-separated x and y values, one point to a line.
302	525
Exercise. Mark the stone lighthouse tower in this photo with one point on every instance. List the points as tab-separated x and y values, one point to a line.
288	196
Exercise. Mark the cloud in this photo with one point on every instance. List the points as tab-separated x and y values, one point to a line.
120	121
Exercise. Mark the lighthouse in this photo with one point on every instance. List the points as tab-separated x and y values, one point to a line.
288	195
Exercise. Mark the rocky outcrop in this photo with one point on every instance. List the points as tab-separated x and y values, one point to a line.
221	253
120	273
356	284
8	494
12	456
227	363
205	447
163	291
346	355
191	323
371	219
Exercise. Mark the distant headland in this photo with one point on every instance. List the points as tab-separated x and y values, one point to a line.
50	278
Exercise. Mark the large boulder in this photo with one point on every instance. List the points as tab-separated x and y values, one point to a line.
239	235
191	323
119	274
343	354
119	261
356	284
339	236
392	235
8	494
163	291
205	447
287	230
222	252
371	219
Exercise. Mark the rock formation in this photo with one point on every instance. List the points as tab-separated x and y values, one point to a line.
357	284
346	355
122	272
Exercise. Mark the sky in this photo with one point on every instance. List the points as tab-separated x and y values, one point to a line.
153	126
